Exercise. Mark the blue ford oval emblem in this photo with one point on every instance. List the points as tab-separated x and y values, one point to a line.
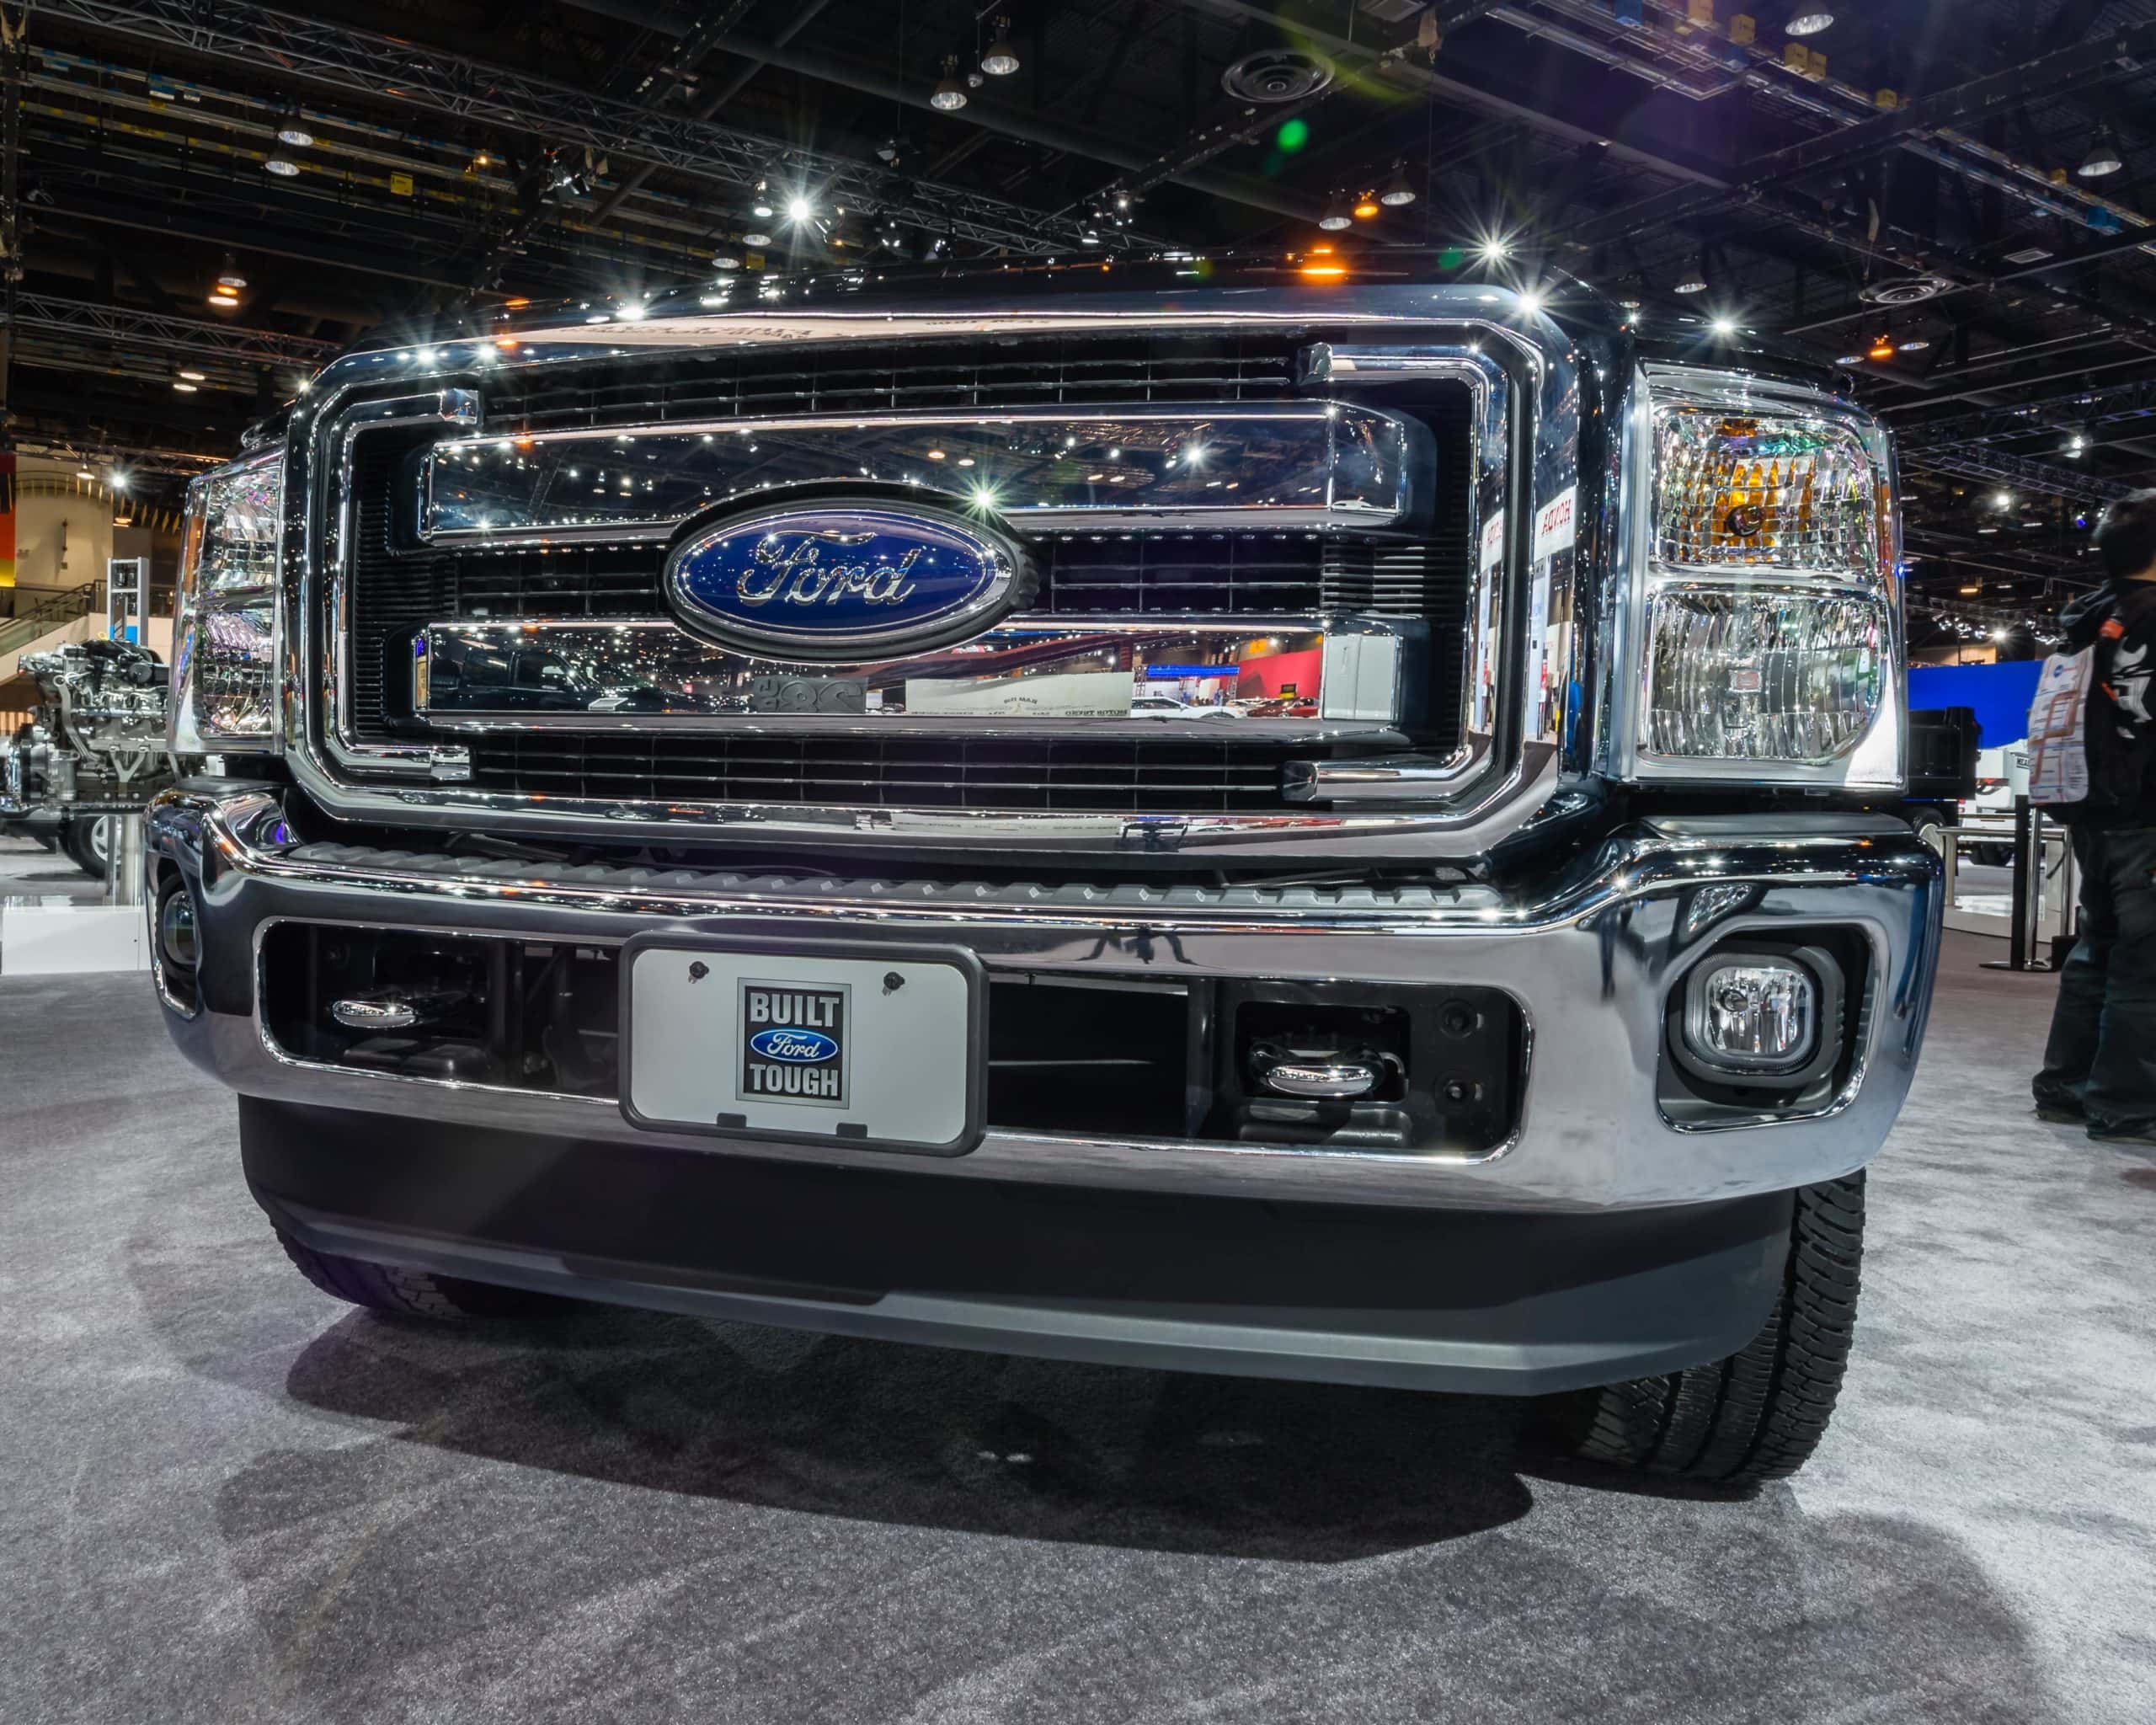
845	579
800	1046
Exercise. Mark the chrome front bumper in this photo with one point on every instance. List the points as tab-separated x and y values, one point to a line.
1591	959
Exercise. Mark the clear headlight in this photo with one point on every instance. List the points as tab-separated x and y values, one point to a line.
1761	675
1769	637
224	661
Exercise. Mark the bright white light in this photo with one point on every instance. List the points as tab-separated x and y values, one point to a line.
1724	326
1530	303
2002	499
799	209
984	497
631	311
119	480
1495	251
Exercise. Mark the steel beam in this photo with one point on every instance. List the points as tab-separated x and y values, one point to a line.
381	68
122	327
1997	468
1770	176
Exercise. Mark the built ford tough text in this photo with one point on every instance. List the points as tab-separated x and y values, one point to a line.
1322	823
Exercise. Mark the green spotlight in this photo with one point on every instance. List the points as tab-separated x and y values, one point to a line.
1293	134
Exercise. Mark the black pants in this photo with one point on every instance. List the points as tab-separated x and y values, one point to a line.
2103	1048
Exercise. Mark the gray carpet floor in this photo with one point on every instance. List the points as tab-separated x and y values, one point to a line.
226	1498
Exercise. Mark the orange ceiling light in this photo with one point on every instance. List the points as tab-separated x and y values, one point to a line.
1322	271
1881	348
1367	208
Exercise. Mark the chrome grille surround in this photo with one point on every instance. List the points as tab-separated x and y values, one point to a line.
1522	369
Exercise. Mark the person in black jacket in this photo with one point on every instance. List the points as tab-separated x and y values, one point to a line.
2100	1065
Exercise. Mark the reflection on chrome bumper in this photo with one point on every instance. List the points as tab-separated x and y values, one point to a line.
1591	959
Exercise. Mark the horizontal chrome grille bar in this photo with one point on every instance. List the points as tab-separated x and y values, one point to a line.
1291	464
1286	677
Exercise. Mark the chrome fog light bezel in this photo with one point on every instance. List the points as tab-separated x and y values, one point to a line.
1689	1042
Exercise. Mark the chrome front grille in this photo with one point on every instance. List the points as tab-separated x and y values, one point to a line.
402	589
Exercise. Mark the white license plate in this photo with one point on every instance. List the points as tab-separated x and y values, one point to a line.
878	1049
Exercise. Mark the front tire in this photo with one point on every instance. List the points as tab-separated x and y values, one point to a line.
409	1293
1758	1415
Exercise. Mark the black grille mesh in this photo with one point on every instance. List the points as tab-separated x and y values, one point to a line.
1138	776
801	378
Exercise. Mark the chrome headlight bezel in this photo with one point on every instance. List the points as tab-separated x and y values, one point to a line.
1821	555
226	631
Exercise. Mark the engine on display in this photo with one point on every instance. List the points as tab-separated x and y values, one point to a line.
94	747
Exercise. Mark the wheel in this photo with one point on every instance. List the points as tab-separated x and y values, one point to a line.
88	840
406	1293
1759	1414
1928	826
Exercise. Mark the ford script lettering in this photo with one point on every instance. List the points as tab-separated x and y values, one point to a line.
796	573
845	582
793	1045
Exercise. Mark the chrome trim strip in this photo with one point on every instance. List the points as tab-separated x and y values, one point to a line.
647	674
1529	463
1592	959
449	406
1049	471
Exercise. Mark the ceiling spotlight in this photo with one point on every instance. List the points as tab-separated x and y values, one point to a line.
1916	345
1850	360
1001	59
1724	326
182	386
1881	348
1397	193
2076	444
2103	157
1690	285
1495	251
2002	499
949	94
192	375
1089	236
799	209
282	166
84	473
1337	215
758	238
228	275
1974	587
223	298
297	136
1366	208
1808	18
762	206
725	260
118	480
1530	303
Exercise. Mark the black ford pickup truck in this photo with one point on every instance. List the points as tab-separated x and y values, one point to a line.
1308	819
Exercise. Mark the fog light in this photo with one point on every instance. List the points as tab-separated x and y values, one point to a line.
1757	1014
1761	1016
177	943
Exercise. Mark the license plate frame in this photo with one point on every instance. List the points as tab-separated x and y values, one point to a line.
938	1016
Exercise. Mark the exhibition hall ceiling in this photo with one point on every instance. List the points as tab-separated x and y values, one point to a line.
1945	201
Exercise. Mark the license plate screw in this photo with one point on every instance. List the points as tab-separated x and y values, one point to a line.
892	982
698	970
